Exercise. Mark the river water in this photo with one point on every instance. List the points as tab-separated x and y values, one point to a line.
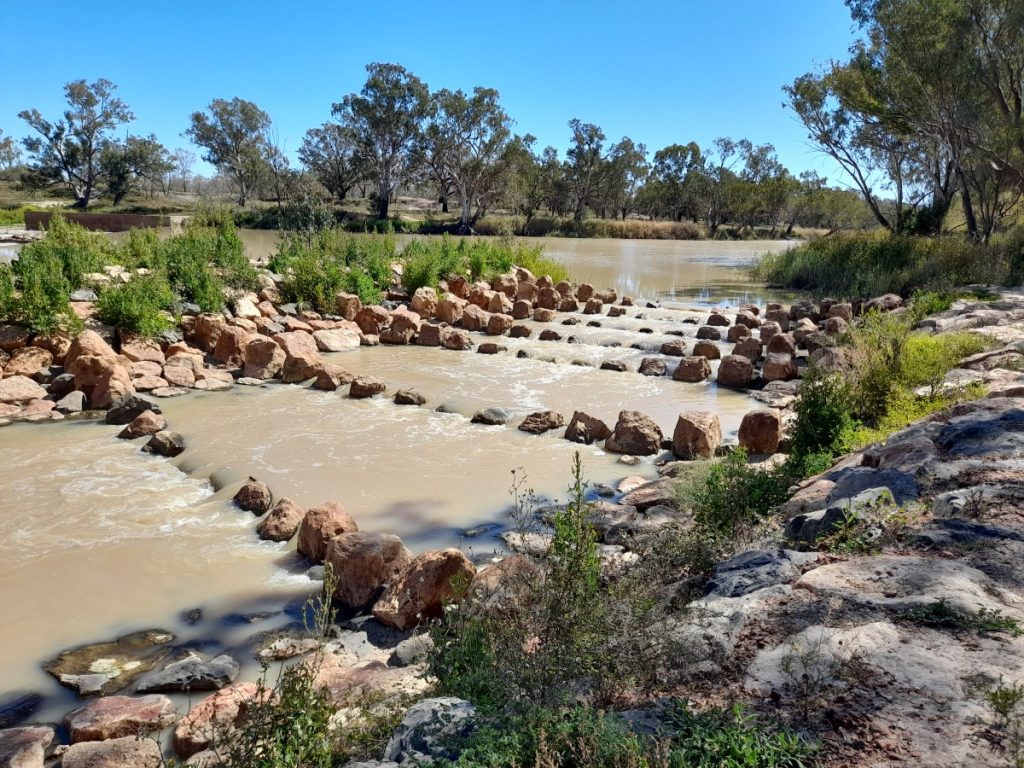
102	539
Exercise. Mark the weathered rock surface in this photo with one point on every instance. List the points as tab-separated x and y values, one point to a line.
114	717
429	729
541	422
208	719
254	496
24	747
761	431
126	752
108	667
586	429
321	524
281	522
635	434
363	563
192	673
420	590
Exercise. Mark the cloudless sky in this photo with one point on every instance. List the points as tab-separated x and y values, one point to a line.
657	71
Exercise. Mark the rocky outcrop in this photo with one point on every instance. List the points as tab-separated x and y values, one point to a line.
192	673
429	731
114	717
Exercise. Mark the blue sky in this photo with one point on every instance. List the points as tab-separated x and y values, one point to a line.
660	72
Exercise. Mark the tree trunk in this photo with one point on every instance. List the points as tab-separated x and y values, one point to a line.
968	206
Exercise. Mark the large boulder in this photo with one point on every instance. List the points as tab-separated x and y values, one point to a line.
16	390
540	422
87	343
586	429
886	303
693	369
344	339
707	350
421	590
192	673
652	366
458	339
126	752
365	386
499	304
302	358
347	305
263	359
697	435
403	328
24	747
424	301
110	666
372	319
27	361
474	318
635	434
761	431
145	424
231	343
321	524
735	371
779	367
674	348
450	308
211	718
13	337
498	324
281	522
431	335
749	348
430	731
207	331
254	497
103	379
114	717
363	563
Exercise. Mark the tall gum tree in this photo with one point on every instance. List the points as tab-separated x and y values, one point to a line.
233	134
385	120
69	151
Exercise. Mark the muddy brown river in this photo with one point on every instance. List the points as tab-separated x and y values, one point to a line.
101	539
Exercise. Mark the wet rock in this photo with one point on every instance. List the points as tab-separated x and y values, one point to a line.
211	718
24	747
749	348
420	591
409	397
363	563
165	443
192	673
652	366
126	752
490	348
145	424
635	434
549	335
129	408
330	377
520	332
458	340
614	365
254	497
707	349
430	729
692	369
105	668
18	707
492	416
586	429
319	526
263	359
697	435
19	390
366	386
281	522
114	717
754	570
735	371
541	422
593	306
674	348
72	402
761	431
302	359
709	333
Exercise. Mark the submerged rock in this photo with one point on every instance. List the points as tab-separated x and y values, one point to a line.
108	667
193	673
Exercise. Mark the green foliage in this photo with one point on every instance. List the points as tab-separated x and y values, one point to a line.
863	265
928	358
140	305
15	215
562	625
824	424
942	615
732	495
426	262
429	260
318	265
715	738
876	348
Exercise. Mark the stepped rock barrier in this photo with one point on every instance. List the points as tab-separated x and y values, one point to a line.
99	222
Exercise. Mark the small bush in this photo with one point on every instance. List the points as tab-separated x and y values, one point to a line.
928	358
942	615
140	305
13	216
824	424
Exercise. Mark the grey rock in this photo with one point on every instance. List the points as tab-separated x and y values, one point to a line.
955	532
193	674
411	651
128	408
492	416
427	728
984	433
72	402
61	384
750	571
83	294
165	443
810	527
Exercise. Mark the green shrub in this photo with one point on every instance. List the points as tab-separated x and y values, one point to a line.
140	305
942	615
876	348
76	250
15	215
861	265
904	408
426	262
927	358
824	424
732	495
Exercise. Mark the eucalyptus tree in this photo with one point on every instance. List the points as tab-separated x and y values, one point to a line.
625	171
10	153
585	164
679	184
329	152
385	120
138	158
470	141
233	134
68	151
